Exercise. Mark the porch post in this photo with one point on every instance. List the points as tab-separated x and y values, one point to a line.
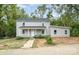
28	32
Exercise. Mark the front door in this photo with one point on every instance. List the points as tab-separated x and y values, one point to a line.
31	32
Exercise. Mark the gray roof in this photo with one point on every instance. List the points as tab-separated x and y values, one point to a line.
33	20
59	27
32	27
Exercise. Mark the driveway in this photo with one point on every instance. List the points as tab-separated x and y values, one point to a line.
62	49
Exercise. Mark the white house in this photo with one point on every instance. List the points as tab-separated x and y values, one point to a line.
30	27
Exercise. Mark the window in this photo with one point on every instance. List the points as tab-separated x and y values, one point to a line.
23	24
23	31
42	31
55	31
65	31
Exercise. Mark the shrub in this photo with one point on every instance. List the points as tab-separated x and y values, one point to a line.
40	36
27	37
19	38
49	40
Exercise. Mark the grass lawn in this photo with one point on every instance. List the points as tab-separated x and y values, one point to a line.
11	43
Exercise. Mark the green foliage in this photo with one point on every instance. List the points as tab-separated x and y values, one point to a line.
74	25
19	38
75	30
39	12
40	36
8	15
49	40
2	29
69	16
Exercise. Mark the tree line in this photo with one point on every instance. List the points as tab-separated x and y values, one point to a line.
8	15
68	16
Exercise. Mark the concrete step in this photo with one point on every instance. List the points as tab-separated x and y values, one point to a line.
29	43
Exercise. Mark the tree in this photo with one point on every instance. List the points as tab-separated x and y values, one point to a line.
2	23
69	17
21	13
40	11
33	15
8	15
49	15
71	9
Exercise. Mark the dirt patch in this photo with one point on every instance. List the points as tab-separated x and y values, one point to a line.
57	40
39	43
3	46
66	40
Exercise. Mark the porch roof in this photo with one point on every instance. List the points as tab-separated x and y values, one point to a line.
32	27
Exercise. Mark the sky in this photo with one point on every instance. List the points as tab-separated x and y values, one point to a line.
29	8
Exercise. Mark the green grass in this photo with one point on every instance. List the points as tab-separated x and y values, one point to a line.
12	43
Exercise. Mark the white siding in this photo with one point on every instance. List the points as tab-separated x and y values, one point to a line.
32	23
48	31
60	32
19	31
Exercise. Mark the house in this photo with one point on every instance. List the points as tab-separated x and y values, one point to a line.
39	26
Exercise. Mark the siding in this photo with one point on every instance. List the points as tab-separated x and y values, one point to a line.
48	31
60	32
19	31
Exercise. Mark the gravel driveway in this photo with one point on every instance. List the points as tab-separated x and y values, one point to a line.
72	49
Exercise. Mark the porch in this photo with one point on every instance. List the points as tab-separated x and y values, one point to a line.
30	31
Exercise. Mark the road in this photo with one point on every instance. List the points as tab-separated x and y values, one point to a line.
72	49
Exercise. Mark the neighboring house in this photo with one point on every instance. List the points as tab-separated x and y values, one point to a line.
30	27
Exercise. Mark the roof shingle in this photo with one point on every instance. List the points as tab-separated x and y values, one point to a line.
33	20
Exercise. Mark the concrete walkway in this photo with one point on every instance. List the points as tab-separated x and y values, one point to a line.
29	43
61	49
